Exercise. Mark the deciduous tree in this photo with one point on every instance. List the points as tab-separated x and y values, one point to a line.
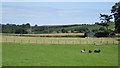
116	12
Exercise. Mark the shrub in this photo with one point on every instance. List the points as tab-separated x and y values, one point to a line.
102	34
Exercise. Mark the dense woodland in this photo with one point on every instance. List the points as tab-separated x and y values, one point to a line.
105	27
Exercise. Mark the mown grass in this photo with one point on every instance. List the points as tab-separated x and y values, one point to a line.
0	54
58	55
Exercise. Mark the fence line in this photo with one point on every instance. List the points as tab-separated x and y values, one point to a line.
61	41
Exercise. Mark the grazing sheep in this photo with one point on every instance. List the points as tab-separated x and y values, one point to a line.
82	51
90	51
97	51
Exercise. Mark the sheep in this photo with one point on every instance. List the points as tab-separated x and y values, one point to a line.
97	51
90	51
82	51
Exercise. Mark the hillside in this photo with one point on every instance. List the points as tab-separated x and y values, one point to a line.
78	28
89	29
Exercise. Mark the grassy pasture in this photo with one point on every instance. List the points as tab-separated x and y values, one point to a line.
15	54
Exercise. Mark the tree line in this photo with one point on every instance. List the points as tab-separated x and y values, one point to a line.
17	29
28	29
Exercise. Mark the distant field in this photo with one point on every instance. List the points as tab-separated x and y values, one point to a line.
52	35
58	55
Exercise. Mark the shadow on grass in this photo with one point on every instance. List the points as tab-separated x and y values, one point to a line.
118	41
60	67
118	52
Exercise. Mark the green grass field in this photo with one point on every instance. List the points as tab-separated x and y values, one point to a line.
15	54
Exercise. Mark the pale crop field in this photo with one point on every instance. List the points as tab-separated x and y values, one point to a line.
59	40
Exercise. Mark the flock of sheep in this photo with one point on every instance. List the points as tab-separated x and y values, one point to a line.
90	51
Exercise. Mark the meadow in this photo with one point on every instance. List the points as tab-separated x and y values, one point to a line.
58	51
15	54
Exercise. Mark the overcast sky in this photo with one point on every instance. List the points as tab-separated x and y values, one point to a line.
53	13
